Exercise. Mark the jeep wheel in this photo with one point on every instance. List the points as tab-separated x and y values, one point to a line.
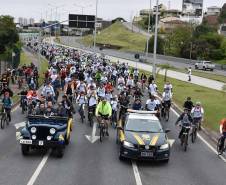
196	67
59	152
25	149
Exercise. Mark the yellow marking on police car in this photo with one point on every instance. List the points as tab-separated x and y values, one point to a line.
121	135
61	137
69	127
154	140
139	140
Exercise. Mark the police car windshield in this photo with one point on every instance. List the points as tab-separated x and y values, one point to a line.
143	125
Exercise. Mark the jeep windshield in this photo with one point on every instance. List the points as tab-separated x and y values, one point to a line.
51	121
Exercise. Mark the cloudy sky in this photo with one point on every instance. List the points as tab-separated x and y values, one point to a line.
107	9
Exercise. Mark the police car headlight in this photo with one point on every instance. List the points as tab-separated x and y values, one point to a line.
49	138
33	130
52	131
128	144
164	147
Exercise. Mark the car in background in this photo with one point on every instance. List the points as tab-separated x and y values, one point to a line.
46	132
205	65
142	137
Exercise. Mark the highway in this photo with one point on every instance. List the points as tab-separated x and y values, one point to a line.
85	163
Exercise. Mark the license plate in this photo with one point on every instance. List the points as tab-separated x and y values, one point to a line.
40	143
25	142
146	154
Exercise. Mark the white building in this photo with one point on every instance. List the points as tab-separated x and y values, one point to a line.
213	10
20	21
25	22
31	21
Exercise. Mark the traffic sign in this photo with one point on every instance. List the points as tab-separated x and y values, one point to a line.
81	21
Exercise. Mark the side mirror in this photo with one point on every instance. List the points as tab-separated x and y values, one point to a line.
167	130
119	128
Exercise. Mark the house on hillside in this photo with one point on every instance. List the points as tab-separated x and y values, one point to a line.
213	10
169	23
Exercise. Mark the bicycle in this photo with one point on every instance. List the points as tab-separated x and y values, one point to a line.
91	111
165	111
220	149
194	130
102	127
81	112
184	137
4	118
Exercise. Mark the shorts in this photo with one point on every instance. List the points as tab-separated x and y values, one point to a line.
105	117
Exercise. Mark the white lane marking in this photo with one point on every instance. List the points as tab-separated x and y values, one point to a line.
93	138
38	169
203	140
136	173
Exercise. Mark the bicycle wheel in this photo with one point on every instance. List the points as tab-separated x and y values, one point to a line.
101	133
219	149
185	142
3	122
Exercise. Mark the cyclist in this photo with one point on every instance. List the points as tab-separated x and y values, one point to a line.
81	100
153	88
67	104
185	119
223	132
104	111
197	113
137	105
7	104
151	104
188	104
166	99
168	86
48	88
6	89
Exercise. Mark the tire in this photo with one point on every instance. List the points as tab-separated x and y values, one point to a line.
25	150
59	152
204	68
166	161
7	120
196	67
219	151
3	122
117	137
185	143
101	135
120	157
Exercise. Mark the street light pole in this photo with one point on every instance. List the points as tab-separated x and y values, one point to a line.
95	29
155	40
149	20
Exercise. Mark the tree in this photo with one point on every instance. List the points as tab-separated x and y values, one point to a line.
164	67
180	37
222	17
8	33
160	45
202	30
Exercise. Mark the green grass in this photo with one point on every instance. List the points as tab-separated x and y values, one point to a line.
24	59
213	101
43	68
118	35
222	62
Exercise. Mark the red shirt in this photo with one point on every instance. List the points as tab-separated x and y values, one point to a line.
223	123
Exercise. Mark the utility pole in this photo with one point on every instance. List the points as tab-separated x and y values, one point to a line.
95	29
155	41
148	36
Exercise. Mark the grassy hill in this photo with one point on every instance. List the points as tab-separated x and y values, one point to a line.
118	35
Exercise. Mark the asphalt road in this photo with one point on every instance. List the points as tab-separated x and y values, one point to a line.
174	62
85	163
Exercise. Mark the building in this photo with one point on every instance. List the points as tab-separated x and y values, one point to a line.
169	23
25	22
211	20
171	13
145	12
192	7
31	21
20	21
213	10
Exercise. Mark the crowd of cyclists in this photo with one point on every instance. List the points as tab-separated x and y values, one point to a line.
76	81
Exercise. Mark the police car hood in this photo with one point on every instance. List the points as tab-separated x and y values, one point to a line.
145	138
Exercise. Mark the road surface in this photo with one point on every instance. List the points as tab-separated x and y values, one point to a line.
85	163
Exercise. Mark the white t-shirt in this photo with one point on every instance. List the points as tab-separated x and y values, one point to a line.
153	89
151	104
